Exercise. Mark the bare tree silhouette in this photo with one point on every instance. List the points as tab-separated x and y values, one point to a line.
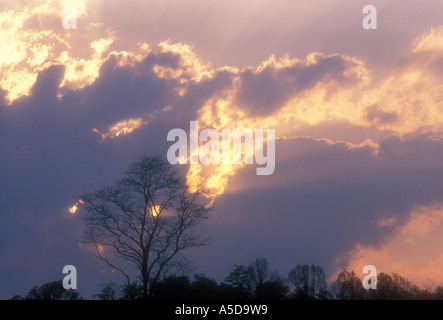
309	282
148	218
348	287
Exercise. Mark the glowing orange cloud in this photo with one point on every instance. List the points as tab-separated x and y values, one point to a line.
409	100
412	97
32	39
320	103
408	250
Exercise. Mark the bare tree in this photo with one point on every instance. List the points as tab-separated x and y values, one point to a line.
348	287
259	271
249	278
308	281
148	218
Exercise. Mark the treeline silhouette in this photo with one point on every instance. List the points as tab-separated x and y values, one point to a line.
50	291
254	282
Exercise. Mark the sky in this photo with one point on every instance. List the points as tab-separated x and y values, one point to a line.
357	116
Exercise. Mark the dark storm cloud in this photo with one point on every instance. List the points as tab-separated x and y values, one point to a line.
49	153
262	92
124	92
322	200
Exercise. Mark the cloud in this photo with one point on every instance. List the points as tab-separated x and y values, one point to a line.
284	93
64	140
375	115
330	197
410	249
33	39
290	94
358	162
50	152
411	98
430	42
267	88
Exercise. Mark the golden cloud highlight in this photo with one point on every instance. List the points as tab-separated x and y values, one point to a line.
121	128
412	98
407	101
326	100
32	39
190	68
